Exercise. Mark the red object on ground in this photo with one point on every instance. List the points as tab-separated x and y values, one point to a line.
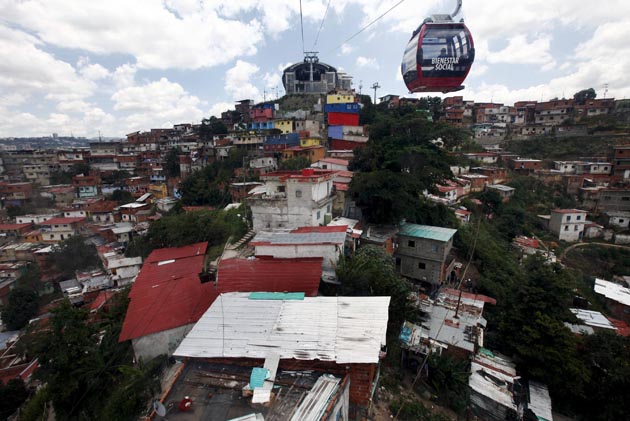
185	405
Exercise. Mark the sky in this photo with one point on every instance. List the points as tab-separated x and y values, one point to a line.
77	67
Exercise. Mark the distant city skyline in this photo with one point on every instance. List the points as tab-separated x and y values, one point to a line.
68	66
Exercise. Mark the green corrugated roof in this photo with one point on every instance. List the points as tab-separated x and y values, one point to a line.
425	231
276	296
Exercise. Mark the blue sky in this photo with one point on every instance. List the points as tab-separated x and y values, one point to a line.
117	66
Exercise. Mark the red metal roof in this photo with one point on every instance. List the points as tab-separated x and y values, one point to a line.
13	227
305	230
62	221
102	298
623	329
336	161
271	275
167	292
342	186
169	295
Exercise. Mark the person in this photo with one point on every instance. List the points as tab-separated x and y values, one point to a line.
443	54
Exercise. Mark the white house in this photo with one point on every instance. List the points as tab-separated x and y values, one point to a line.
292	199
568	224
326	242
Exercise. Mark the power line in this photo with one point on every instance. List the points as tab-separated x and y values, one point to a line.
302	26
368	25
322	24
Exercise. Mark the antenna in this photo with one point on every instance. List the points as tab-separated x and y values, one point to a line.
605	90
375	86
360	86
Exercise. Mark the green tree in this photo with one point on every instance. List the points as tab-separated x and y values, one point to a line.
371	272
171	163
193	227
607	393
210	127
121	197
12	396
582	96
22	306
449	378
73	254
116	178
294	164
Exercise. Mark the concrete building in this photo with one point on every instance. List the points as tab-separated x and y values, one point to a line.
619	220
313	77
59	229
292	199
568	224
506	192
614	199
621	161
422	252
325	242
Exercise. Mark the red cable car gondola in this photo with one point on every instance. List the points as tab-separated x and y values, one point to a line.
439	55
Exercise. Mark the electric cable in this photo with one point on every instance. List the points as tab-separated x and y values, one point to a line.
321	25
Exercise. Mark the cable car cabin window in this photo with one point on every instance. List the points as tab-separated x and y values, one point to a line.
445	52
410	60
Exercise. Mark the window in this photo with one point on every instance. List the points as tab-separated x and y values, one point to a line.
566	228
411	243
281	189
319	214
626	199
422	265
621	221
435	248
568	218
298	193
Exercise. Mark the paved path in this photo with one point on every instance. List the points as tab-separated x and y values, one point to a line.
564	253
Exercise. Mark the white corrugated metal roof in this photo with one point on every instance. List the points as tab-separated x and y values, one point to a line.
613	291
341	329
540	401
285	238
317	400
593	318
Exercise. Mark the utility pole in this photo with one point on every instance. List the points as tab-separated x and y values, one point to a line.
375	87
605	90
360	87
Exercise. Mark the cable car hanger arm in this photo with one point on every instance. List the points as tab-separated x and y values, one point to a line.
458	8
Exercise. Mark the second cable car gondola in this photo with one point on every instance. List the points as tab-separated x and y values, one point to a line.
439	55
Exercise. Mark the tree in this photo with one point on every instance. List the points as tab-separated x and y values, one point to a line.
606	355
121	197
371	272
210	127
171	163
294	164
116	177
12	396
582	96
23	305
73	254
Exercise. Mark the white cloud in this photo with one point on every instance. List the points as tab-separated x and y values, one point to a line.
144	29
520	51
156	104
124	76
26	69
238	81
91	71
365	62
219	107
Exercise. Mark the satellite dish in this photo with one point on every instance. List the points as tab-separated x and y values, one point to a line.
159	408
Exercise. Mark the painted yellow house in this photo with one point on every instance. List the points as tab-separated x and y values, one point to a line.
159	191
310	141
339	99
286	126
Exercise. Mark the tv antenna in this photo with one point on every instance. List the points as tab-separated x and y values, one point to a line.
605	90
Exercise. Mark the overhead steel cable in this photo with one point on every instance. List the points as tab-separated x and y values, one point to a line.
302	27
321	25
368	25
